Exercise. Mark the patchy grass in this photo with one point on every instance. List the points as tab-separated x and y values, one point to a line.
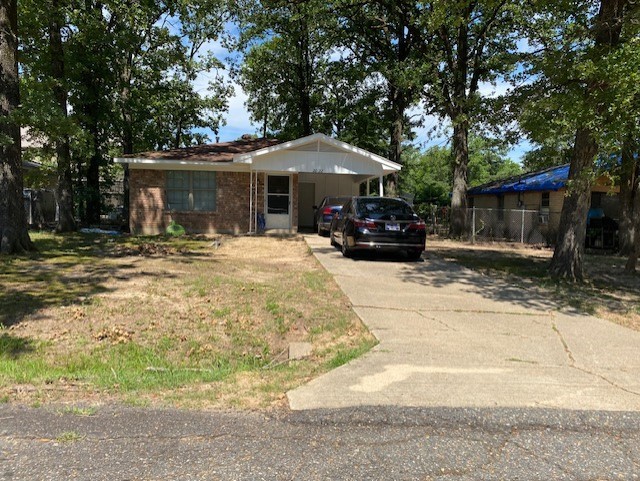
159	321
608	292
68	437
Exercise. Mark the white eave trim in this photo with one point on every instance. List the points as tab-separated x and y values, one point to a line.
248	157
165	164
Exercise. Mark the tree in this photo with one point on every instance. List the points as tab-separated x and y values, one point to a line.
474	42
286	45
384	36
607	35
629	173
64	187
14	236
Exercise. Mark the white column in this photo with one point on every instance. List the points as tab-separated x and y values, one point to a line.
250	202
381	186
368	187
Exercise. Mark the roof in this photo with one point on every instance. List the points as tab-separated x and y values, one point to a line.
550	179
316	153
221	152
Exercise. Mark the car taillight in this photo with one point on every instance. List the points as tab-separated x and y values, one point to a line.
327	211
369	224
418	226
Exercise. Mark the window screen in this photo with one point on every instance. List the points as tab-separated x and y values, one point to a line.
188	190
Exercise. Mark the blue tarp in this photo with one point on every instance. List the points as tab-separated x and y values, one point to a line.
543	180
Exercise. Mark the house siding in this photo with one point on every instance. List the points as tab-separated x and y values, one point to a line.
148	205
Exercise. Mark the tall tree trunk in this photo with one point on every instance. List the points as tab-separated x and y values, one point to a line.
398	108
634	252
460	120
567	262
628	176
305	74
460	147
93	181
64	188
14	236
127	134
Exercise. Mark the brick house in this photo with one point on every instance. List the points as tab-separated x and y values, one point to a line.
226	187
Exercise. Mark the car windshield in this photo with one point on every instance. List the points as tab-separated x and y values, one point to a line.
384	208
338	201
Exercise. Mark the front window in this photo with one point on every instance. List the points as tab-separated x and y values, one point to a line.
191	190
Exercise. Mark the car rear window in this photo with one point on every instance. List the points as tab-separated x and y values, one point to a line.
383	208
336	200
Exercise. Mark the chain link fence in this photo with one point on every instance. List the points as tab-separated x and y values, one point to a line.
513	225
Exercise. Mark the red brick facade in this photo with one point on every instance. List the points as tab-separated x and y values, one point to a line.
148	205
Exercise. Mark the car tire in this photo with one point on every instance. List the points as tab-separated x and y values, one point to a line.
332	240
319	230
414	254
346	250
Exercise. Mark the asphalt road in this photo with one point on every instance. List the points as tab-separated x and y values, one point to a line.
381	443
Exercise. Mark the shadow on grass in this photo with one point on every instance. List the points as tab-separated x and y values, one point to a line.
65	269
12	347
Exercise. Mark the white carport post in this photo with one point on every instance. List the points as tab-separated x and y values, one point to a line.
381	186
251	202
368	187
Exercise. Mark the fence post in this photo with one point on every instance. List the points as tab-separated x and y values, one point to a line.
473	224
522	228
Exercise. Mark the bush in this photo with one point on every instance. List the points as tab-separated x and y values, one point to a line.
175	230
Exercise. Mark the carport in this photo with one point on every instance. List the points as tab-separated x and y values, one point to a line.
288	179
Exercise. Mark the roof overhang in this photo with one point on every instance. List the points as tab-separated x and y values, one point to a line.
171	164
315	153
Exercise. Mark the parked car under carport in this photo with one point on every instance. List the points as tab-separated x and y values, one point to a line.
378	224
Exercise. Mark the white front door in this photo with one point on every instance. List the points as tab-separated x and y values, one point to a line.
278	202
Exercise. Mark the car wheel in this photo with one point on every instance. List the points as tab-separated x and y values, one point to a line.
346	250
414	254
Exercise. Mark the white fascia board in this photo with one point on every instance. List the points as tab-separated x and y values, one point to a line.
247	158
171	164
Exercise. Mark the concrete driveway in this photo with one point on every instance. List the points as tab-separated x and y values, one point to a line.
452	337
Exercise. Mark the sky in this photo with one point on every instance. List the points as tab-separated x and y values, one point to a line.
238	122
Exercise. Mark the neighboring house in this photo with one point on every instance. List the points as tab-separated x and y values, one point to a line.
233	186
542	191
39	204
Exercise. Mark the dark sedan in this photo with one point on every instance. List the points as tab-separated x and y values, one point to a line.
325	211
378	223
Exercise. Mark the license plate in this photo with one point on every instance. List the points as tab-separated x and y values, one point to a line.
395	227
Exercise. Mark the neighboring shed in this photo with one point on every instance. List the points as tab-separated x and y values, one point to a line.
542	191
226	187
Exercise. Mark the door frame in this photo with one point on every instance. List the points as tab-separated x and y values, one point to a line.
266	198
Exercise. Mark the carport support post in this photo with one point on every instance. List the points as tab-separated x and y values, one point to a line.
381	186
522	229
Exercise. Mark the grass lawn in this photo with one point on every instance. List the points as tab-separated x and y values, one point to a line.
154	321
609	293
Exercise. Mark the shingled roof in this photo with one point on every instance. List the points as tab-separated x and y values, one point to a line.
220	152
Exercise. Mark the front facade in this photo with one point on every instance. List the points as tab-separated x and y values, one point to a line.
245	186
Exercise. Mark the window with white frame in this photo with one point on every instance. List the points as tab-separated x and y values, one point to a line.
191	190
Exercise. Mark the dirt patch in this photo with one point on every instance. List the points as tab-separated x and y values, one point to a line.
197	322
608	293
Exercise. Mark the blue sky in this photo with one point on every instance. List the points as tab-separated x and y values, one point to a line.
238	122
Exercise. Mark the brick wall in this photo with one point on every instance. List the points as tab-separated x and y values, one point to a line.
148	205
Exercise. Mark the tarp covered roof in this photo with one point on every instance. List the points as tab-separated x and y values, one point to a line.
550	179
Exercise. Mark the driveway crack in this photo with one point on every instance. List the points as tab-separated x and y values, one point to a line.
573	364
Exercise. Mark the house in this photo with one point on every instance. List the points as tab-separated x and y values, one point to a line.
542	193
228	187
